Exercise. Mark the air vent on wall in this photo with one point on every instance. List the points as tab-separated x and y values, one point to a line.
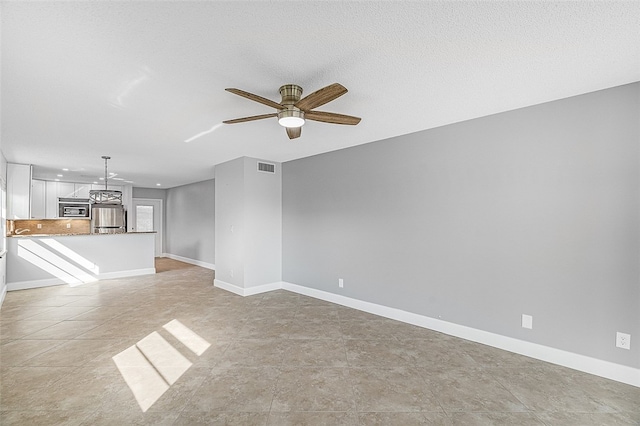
266	167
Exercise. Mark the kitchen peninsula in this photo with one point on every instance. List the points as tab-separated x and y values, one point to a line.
64	252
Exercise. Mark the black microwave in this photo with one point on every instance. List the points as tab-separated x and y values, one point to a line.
74	208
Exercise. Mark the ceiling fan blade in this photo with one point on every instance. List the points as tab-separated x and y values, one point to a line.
321	97
253	117
331	117
294	132
255	98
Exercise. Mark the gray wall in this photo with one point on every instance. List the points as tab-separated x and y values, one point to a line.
249	223
190	221
263	224
155	194
533	211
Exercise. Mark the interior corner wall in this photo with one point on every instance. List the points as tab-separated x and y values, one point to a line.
190	221
534	211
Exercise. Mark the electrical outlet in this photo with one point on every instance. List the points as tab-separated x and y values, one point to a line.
623	340
68	225
527	321
39	226
340	282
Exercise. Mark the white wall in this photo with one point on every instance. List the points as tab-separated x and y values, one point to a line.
229	201
52	260
3	206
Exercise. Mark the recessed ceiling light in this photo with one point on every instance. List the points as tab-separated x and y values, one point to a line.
101	178
128	181
95	183
57	180
59	175
157	184
65	170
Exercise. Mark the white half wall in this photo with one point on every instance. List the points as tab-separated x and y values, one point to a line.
76	259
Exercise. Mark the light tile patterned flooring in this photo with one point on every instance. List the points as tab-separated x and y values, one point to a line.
275	359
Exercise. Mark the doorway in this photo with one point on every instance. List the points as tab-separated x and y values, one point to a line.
146	216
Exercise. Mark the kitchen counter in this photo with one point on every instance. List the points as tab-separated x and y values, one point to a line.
76	259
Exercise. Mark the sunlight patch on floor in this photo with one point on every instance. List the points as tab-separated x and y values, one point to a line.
143	380
191	340
152	365
170	363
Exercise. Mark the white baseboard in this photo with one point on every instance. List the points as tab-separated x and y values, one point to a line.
606	369
248	291
191	261
24	285
125	274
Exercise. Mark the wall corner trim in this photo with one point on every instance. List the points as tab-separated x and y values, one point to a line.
207	265
247	291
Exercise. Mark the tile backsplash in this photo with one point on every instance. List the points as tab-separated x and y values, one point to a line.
48	227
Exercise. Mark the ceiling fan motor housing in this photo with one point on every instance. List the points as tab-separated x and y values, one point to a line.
291	116
290	93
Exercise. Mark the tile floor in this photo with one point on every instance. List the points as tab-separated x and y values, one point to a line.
275	359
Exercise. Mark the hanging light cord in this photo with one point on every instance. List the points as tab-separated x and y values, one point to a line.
106	175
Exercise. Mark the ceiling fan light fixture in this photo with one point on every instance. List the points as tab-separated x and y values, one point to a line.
291	118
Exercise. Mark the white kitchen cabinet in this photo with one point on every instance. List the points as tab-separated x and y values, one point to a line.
72	190
38	199
55	190
81	190
18	191
51	200
65	189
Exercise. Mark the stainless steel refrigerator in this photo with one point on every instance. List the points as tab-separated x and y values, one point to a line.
108	219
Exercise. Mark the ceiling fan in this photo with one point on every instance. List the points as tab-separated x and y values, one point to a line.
293	111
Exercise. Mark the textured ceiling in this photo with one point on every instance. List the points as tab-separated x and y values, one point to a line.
134	80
